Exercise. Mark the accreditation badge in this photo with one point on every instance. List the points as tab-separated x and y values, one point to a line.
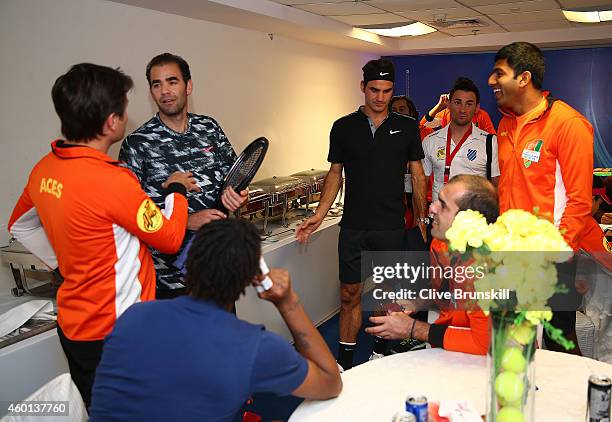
149	218
531	153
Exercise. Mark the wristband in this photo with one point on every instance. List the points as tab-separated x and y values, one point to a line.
412	329
428	117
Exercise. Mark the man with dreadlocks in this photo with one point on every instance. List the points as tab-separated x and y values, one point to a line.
223	360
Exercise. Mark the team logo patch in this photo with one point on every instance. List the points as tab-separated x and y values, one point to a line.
471	154
441	153
531	153
607	245
149	217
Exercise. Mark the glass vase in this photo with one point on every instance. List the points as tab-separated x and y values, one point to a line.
511	368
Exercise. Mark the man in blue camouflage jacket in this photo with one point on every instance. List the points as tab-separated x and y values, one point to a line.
175	140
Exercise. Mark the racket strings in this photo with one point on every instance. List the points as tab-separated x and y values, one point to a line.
245	168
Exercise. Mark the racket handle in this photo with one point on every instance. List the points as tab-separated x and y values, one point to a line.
266	283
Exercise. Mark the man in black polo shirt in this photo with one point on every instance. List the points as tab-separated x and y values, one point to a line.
373	146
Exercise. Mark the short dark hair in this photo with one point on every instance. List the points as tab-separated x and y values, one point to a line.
166	58
223	260
465	84
379	69
86	95
480	196
411	106
524	57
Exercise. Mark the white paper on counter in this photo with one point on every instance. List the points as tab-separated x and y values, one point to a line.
459	411
19	315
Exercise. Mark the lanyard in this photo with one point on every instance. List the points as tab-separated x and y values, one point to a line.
450	155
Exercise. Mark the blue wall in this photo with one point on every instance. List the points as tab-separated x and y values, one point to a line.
580	77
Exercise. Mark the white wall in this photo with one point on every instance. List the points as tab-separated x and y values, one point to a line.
289	91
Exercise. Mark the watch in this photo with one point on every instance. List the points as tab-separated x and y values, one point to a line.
428	118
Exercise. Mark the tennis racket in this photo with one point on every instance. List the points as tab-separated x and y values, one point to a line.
239	176
244	168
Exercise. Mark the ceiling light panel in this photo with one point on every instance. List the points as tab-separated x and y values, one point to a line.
413	29
582	17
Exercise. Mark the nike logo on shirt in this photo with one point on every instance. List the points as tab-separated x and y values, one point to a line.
393	132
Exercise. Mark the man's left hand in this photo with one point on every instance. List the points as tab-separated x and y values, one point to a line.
232	201
395	326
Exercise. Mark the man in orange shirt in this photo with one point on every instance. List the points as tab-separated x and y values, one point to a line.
455	329
545	159
83	212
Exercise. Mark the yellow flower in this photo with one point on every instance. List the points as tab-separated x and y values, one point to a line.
537	317
468	228
537	286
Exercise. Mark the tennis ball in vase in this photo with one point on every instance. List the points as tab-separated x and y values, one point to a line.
513	360
509	386
509	414
516	403
523	333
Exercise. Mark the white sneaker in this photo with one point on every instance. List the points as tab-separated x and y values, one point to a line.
375	355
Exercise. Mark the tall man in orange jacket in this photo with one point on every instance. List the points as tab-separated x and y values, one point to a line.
82	212
545	155
458	330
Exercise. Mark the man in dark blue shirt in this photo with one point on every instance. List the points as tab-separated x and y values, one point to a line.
219	360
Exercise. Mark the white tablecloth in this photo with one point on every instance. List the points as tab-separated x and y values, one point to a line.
376	390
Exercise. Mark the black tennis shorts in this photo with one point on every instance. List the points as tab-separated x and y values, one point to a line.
351	243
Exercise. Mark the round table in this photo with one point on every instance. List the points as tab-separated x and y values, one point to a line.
376	390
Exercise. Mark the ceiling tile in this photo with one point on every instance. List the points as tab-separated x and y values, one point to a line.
294	2
527	17
411	5
537	26
473	3
470	31
586	3
372	19
339	9
489	28
523	6
433	14
432	35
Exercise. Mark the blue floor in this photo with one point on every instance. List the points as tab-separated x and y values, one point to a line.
272	407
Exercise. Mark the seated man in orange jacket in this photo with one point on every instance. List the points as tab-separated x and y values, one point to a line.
456	330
